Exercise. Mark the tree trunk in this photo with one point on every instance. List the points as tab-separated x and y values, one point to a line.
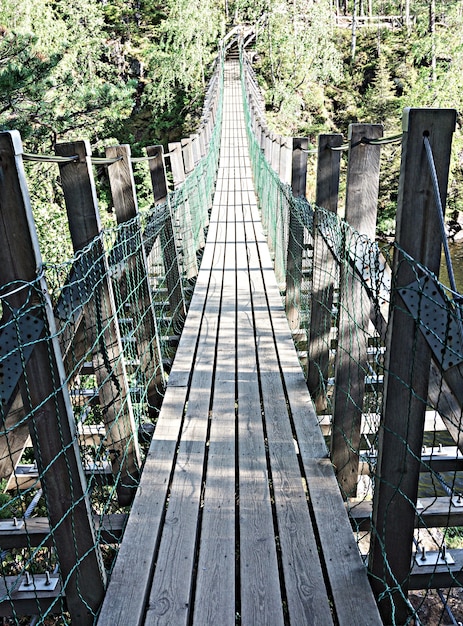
354	30
432	32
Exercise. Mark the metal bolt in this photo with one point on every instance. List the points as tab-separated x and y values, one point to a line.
423	553
47	578
28	580
15	521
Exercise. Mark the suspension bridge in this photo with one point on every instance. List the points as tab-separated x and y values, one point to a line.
232	410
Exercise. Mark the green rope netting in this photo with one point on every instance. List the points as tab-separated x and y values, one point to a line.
118	308
336	286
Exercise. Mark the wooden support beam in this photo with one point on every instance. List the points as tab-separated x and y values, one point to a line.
168	243
45	395
324	270
296	235
407	364
284	169
354	307
436	512
30	602
182	213
103	329
13	437
134	279
36	531
194	197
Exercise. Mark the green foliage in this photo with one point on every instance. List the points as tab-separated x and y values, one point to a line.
110	72
134	71
178	60
297	58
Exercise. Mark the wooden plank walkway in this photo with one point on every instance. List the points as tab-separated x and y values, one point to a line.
238	518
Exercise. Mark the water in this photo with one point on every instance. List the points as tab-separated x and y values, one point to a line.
456	254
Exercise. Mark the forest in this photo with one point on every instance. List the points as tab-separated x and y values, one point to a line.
135	71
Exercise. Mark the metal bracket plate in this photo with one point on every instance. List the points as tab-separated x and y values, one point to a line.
433	558
457	501
440	327
11	525
17	340
372	266
39	582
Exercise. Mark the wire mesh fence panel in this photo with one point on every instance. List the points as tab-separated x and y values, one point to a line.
350	307
86	344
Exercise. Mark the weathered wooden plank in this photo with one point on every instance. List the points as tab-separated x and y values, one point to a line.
351	592
183	361
127	595
169	599
214	598
261	601
306	594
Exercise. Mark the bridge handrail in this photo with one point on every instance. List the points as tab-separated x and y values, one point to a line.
87	342
317	252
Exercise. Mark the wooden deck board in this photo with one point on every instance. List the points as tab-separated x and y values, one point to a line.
226	524
215	582
261	601
169	600
305	587
354	602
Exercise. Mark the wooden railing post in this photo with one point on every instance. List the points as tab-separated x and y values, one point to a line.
187	153
196	148
183	215
168	244
52	426
296	235
145	328
286	160
202	140
103	328
354	307
284	169
324	270
407	362
194	201
276	206
205	202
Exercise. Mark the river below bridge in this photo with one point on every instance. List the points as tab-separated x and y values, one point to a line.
456	253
